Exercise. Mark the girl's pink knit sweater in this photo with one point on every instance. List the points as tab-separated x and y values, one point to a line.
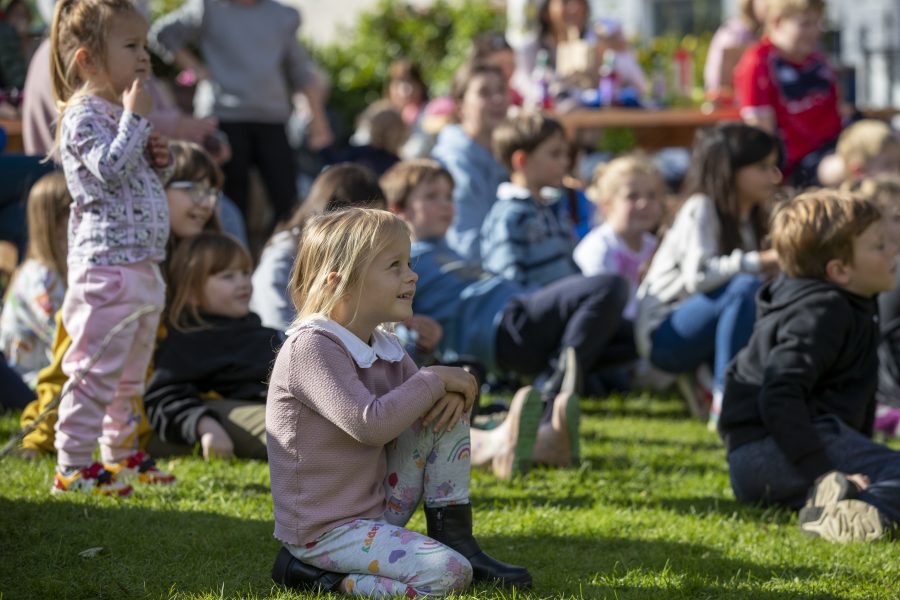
327	421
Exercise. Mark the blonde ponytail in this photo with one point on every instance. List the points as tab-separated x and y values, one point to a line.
78	24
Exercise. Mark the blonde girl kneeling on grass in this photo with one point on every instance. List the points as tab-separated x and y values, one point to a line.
357	434
118	228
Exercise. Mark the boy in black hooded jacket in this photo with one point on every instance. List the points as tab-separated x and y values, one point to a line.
799	400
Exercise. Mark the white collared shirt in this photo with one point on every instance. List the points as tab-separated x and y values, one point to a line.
385	345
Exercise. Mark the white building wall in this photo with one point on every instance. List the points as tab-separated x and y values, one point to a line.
874	24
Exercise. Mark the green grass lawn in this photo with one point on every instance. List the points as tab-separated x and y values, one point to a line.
648	514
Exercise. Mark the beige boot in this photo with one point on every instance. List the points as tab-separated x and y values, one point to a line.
558	442
516	435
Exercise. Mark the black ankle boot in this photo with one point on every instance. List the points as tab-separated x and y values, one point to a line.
452	526
292	573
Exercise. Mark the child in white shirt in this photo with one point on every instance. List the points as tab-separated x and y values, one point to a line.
628	192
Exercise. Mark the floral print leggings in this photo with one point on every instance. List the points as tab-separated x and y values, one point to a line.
380	557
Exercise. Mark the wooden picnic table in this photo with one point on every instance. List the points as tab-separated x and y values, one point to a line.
13	129
655	129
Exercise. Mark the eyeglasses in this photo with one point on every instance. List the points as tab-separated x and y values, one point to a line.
200	194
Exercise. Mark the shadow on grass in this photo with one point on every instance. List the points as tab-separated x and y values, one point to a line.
673	413
593	436
601	436
145	552
246	488
626	568
149	552
486	501
706	506
660	465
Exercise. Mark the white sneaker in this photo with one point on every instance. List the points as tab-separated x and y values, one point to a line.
844	521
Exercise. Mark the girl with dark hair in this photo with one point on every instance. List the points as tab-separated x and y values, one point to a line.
406	89
557	17
696	304
556	21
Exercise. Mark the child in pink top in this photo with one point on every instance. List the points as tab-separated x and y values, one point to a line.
358	435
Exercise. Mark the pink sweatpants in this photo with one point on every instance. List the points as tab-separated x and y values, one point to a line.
106	405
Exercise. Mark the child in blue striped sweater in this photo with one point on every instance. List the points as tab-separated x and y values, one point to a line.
522	239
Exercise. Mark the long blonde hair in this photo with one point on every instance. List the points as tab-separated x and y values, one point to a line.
194	261
48	208
79	24
343	242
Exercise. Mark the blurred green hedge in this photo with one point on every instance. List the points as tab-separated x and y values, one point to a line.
437	37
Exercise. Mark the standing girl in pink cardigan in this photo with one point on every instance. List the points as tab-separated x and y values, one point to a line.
358	435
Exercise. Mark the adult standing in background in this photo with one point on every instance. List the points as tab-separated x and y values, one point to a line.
253	69
553	23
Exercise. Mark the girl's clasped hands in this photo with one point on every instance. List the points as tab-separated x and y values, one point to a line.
456	403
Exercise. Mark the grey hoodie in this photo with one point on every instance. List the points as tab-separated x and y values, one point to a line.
251	52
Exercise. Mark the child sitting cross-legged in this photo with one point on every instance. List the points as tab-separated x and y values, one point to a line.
209	373
799	400
358	435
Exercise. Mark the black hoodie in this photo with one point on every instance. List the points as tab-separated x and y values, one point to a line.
813	352
228	358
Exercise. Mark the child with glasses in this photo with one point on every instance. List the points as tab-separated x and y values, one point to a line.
192	192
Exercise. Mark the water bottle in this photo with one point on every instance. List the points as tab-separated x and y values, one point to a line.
606	88
542	95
